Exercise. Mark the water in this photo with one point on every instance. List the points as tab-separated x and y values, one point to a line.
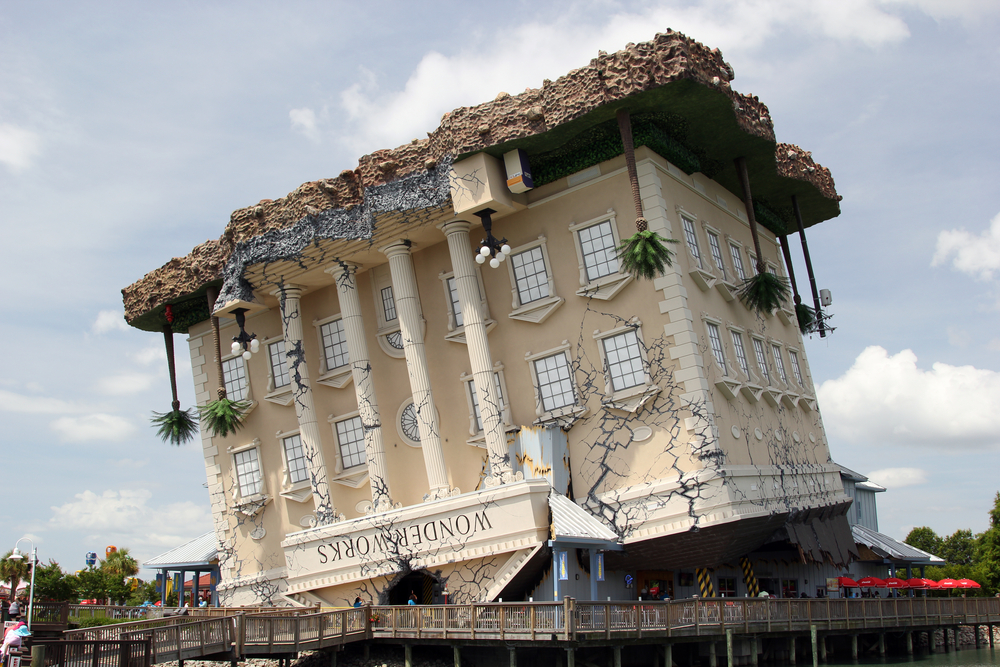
983	657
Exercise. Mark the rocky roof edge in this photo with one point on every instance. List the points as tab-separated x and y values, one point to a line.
670	56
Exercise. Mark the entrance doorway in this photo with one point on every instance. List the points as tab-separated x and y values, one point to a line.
419	583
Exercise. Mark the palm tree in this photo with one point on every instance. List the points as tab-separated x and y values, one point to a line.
765	291
177	426
222	416
121	564
644	254
13	571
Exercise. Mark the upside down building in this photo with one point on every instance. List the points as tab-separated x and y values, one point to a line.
420	421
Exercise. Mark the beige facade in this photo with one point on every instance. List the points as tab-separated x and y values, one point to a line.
412	410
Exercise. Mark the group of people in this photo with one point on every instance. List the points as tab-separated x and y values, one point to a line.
412	601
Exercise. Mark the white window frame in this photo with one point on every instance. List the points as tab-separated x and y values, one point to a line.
796	362
722	364
399	423
689	230
337	377
279	395
779	362
248	388
736	255
298	491
763	371
536	311
566	415
381	278
607	286
356	475
630	399
249	504
456	331
718	263
478	438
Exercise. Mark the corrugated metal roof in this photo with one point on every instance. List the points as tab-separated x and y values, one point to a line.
871	486
199	551
572	521
850	474
888	547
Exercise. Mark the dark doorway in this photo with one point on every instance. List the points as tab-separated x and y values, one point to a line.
419	582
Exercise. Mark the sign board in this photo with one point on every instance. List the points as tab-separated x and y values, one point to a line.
832	585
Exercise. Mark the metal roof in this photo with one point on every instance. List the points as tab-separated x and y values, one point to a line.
850	474
870	486
571	522
890	548
199	551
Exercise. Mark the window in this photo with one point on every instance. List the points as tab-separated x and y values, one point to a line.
279	364
727	587
530	275
741	354
235	372
409	425
789	588
793	355
351	437
692	239
456	318
715	340
456	306
248	478
624	361
597	244
758	348
334	344
716	248
554	381
599	250
295	459
388	304
753	262
779	363
533	287
737	255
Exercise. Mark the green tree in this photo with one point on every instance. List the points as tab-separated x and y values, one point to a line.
143	592
987	566
13	572
959	548
925	539
117	567
92	584
51	583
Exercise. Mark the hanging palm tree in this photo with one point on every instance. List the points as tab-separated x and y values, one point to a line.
177	426
763	292
644	254
223	415
803	313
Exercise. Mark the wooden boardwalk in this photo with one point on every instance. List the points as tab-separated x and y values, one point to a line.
284	633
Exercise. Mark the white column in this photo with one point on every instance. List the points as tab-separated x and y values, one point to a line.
305	409
345	276
490	407
404	287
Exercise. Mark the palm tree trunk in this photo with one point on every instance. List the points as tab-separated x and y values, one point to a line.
625	128
213	294
741	170
809	267
168	340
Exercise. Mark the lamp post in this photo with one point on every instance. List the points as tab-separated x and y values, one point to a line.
16	555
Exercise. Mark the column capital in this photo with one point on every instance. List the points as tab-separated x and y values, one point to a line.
288	291
340	268
455	227
400	247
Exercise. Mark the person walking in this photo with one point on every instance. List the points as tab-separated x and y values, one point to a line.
413	599
15	610
358	602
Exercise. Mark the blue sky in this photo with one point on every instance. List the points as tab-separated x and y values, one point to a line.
129	132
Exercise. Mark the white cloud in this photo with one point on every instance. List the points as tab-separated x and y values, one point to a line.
888	399
304	121
896	478
109	320
92	427
18	146
532	51
130	519
149	355
975	255
34	405
125	384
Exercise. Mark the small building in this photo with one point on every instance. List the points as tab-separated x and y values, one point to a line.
422	423
197	558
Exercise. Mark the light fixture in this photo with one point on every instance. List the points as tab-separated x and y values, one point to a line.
496	249
244	341
17	555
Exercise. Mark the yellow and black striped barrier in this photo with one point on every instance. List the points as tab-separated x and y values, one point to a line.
749	578
705	586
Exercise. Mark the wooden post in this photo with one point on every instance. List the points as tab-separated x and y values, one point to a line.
408	655
570	657
333	657
909	643
38	656
944	631
729	648
512	652
975	631
881	644
813	638
822	648
990	629
854	647
456	653
617	656
754	651
713	661
668	655
791	650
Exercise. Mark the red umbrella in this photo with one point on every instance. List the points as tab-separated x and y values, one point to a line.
967	583
871	582
847	582
917	584
933	585
893	582
948	583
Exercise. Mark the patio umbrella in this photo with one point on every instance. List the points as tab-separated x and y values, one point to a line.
893	582
967	583
948	583
847	582
932	585
871	582
917	584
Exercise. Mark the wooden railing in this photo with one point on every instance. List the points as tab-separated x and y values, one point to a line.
274	633
118	653
106	611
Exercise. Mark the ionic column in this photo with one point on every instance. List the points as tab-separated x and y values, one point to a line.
305	409
404	285
361	370
479	350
